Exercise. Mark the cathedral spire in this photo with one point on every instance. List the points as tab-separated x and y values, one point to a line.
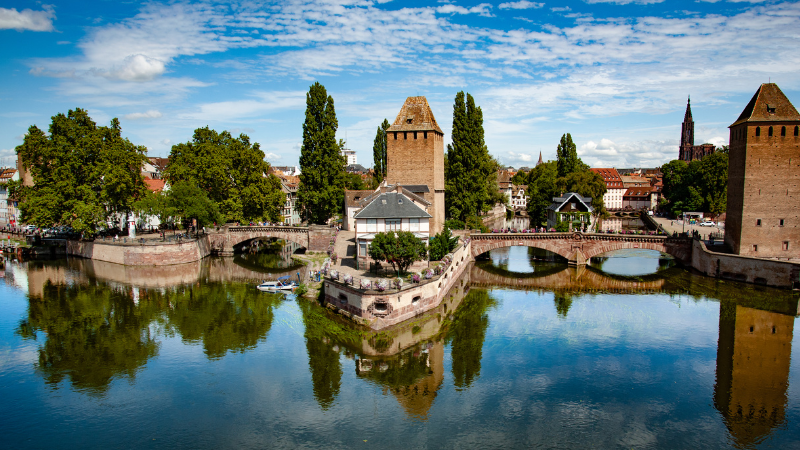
688	116
540	158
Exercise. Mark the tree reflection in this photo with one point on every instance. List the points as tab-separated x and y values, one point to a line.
563	302
466	336
93	333
225	317
324	334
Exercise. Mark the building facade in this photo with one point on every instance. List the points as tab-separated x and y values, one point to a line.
688	151
390	209
8	211
763	218
612	199
415	155
572	208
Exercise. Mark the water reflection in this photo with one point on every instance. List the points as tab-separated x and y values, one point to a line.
89	333
93	330
275	254
632	262
570	351
753	359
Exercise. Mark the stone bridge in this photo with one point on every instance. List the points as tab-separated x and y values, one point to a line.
314	238
579	279
577	248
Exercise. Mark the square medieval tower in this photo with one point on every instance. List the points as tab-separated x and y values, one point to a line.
415	156
763	214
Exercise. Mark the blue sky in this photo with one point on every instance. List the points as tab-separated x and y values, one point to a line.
614	73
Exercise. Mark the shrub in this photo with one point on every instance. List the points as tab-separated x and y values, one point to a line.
334	258
398	283
381	285
301	290
366	284
454	224
348	279
334	275
428	273
415	278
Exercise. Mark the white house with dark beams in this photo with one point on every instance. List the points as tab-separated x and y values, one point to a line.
572	208
392	208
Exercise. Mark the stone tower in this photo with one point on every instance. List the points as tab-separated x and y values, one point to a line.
763	213
415	156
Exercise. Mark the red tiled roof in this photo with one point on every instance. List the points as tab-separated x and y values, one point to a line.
154	185
415	115
638	192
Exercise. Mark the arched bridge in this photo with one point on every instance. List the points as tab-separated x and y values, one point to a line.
314	237
577	248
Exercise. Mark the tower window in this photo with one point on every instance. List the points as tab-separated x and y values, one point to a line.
783	131
415	135
796	130
780	222
758	131
769	133
755	247
758	222
771	109
425	135
395	135
786	245
405	135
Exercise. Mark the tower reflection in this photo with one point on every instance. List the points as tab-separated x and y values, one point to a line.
753	359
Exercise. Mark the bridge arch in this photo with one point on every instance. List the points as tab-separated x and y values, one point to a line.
578	248
312	238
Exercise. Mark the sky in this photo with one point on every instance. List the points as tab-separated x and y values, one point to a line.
616	74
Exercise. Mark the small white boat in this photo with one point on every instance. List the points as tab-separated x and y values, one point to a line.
281	284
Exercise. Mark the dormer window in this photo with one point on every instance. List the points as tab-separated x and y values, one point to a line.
400	200
771	109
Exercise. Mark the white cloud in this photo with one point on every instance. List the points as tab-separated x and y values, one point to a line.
520	157
11	19
166	142
252	108
271	156
151	114
561	9
522	4
484	9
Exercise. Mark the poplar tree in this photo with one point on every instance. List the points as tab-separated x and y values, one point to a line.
567	157
470	172
379	150
322	176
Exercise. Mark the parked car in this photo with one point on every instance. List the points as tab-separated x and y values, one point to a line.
30	228
708	223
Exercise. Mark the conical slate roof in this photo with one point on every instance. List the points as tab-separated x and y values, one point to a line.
769	104
415	115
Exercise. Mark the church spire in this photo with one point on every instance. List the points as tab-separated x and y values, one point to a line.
687	129
540	158
688	116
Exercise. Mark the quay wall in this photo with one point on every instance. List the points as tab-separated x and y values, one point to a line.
141	255
400	305
782	274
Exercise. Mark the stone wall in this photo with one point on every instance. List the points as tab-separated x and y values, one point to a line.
782	274
141	255
408	302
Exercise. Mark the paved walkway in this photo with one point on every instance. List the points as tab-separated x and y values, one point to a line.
346	249
678	226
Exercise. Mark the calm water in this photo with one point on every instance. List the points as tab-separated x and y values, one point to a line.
525	354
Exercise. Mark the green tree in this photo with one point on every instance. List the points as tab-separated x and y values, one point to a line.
542	187
353	181
563	302
519	178
442	244
379	151
189	202
467	334
470	172
322	176
714	174
83	175
152	204
567	157
231	171
400	249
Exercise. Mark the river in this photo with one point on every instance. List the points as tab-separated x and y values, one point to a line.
631	352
